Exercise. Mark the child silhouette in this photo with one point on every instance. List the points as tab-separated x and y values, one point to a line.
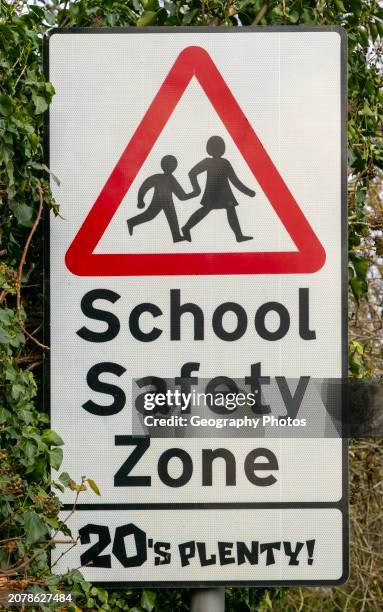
218	193
165	185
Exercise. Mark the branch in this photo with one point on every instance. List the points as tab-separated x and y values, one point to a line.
21	267
15	569
65	551
260	15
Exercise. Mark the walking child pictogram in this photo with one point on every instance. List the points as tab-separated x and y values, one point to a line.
218	193
165	185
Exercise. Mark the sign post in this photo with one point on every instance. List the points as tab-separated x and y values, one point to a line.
208	600
198	303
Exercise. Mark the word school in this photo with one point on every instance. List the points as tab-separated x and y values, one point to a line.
278	311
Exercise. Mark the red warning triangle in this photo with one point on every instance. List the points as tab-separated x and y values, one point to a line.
194	61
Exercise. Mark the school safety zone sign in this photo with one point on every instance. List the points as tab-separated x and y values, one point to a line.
200	243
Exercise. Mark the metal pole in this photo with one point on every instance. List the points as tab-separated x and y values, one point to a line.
204	600
208	600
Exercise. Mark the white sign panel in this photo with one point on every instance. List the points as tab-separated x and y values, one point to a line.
201	243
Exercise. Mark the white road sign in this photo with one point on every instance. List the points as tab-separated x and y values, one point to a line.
201	242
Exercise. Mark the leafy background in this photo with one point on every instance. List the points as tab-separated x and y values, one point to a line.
28	504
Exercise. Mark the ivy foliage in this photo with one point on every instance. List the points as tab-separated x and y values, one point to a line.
28	508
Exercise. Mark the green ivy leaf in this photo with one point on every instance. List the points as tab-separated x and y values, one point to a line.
147	18
359	287
6	316
148	599
5	104
5	338
294	17
56	457
44	167
22	212
339	5
50	18
34	527
40	103
50	437
5	415
65	478
361	266
151	5
52	522
30	451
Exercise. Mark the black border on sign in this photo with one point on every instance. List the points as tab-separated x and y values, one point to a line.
342	504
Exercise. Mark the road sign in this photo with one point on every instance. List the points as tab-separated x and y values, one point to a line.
194	62
202	190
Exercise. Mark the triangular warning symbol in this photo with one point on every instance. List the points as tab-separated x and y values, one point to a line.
194	61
